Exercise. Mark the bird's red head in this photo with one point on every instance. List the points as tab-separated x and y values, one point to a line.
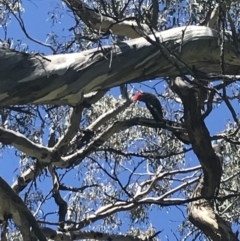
137	96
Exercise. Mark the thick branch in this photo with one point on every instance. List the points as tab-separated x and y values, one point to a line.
101	22
201	212
108	115
22	143
62	204
69	236
22	181
13	207
92	146
202	215
64	79
75	118
199	135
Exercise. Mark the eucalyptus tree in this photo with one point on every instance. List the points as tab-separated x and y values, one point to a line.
71	122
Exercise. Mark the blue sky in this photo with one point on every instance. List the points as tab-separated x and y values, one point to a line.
35	18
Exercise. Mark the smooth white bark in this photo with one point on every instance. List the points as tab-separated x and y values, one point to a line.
65	78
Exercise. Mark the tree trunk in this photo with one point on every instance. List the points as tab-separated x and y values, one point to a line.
201	212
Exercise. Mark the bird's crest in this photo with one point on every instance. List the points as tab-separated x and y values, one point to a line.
137	96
